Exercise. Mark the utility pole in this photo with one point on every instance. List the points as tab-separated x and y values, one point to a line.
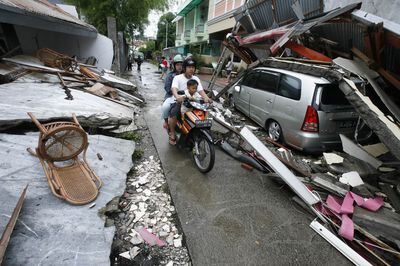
166	33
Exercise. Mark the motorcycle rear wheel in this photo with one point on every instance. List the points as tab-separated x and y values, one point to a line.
205	157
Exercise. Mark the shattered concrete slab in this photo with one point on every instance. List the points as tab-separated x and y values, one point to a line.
47	102
51	231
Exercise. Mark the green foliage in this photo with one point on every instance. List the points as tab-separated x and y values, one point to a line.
137	154
150	46
161	30
131	135
131	15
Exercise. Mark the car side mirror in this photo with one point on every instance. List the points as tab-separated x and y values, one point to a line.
237	88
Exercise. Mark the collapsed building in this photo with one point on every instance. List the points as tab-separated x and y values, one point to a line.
341	46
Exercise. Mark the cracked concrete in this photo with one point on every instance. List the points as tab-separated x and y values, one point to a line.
50	231
46	101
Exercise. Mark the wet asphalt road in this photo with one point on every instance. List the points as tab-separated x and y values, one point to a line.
231	216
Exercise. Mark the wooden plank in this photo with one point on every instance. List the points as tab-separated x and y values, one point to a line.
383	223
362	56
307	52
390	78
329	186
5	238
391	194
392	39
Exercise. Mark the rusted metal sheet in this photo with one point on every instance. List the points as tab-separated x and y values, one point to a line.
266	13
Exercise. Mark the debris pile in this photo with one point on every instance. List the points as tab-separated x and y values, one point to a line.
53	85
149	224
353	194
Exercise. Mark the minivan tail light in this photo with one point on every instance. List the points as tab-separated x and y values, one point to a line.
310	123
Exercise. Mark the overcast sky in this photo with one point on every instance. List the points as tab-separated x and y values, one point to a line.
154	16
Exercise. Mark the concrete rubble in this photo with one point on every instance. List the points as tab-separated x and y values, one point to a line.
149	218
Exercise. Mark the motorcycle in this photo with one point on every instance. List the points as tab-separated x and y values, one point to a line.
193	130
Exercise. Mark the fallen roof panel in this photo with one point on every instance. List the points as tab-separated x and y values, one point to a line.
37	13
294	183
46	101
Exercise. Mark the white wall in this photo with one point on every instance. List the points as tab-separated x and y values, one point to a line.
100	47
387	9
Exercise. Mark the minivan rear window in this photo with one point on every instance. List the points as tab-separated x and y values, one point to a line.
333	97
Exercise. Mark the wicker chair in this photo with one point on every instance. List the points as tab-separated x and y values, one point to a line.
59	147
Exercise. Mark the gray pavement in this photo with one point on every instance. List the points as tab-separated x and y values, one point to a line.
231	216
50	231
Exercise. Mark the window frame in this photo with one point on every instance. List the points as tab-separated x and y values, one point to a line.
272	73
279	85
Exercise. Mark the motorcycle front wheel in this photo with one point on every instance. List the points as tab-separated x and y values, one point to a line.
203	154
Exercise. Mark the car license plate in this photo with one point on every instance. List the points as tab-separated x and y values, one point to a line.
347	124
203	123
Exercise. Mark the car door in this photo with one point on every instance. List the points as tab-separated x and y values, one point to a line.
242	98
263	96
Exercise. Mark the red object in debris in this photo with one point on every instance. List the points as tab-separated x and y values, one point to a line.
307	52
262	36
150	238
310	123
247	166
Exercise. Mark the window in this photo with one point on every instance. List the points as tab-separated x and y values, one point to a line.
267	81
250	79
332	95
290	87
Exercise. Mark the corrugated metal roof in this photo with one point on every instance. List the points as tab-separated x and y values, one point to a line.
345	34
42	8
267	13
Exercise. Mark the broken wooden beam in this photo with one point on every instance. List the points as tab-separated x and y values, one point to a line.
307	52
383	223
392	196
5	238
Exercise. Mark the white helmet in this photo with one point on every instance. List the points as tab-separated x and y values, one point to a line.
178	59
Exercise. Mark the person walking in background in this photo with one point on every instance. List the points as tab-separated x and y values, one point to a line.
164	69
229	68
139	61
129	66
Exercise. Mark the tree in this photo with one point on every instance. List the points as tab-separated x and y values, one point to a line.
131	15
160	43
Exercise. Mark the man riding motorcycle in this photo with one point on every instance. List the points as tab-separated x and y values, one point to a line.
168	99
179	84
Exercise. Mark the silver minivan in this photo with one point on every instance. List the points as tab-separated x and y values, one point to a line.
306	112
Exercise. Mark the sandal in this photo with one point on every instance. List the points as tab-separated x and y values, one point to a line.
172	141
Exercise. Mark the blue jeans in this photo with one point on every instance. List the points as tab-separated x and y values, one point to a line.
166	106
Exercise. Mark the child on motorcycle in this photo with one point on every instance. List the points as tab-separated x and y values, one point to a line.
191	94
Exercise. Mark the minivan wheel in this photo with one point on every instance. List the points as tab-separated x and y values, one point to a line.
274	131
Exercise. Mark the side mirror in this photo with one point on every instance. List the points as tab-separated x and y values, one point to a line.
237	88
